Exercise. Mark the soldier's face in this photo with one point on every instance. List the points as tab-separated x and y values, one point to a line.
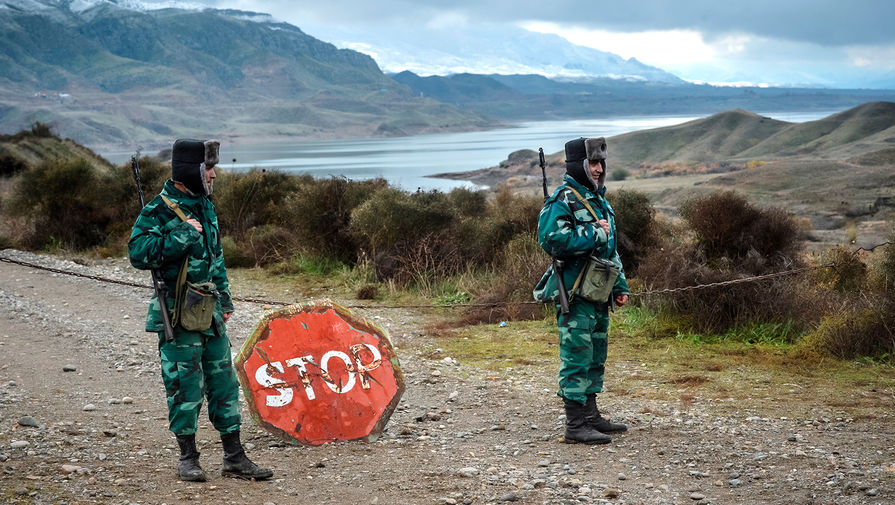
596	168
209	178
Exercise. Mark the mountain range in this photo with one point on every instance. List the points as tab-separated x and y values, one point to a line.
428	49
532	97
104	73
114	74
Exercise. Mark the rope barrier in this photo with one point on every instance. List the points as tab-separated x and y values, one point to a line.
260	301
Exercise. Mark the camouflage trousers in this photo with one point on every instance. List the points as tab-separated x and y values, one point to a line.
583	343
194	367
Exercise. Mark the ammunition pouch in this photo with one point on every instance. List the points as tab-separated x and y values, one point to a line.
195	306
596	280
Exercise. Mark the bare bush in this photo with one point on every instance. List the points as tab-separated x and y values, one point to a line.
636	227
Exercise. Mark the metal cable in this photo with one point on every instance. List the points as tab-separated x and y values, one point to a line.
452	305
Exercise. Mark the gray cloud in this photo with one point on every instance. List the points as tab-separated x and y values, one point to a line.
822	22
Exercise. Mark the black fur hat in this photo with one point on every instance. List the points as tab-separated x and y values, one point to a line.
189	160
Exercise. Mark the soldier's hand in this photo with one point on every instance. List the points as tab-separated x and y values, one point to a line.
195	224
227	316
621	300
605	225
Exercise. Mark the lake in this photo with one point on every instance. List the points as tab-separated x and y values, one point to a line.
406	161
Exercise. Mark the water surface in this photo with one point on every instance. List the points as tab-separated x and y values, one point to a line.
406	161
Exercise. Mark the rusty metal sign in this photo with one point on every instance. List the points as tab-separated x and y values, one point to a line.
315	373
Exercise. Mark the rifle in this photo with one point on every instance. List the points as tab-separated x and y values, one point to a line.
158	284
557	263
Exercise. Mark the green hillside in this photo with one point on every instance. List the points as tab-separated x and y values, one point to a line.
32	148
832	134
739	135
719	136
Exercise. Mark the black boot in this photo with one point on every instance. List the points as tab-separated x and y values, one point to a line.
237	464
189	468
577	429
598	422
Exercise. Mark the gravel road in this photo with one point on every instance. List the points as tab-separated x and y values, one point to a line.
83	420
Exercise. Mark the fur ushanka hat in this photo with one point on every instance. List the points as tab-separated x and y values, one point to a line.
189	160
579	153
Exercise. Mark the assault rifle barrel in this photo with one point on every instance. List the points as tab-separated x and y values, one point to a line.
158	284
557	263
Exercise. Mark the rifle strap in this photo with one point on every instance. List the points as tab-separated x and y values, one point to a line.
181	276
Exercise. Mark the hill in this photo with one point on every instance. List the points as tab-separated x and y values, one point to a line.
106	74
836	172
30	147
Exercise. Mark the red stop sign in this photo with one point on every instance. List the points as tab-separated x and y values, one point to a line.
316	373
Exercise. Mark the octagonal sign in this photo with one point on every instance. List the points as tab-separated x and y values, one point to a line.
315	373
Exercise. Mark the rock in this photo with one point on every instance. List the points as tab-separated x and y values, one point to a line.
127	400
69	368
469	471
610	492
114	401
697	496
20	444
872	492
449	501
70	468
28	421
622	476
509	497
734	482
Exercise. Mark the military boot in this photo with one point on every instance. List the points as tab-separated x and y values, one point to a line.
598	422
577	429
189	468
237	464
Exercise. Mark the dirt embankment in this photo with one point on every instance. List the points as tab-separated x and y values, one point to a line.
97	433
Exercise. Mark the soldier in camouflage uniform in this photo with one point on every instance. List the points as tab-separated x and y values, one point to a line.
567	230
197	364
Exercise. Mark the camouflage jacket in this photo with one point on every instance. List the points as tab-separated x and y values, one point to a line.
160	240
568	231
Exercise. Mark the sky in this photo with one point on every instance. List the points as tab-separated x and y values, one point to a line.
833	43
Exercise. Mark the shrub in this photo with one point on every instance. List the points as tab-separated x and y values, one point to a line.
620	174
635	225
367	292
729	229
520	265
61	198
234	256
10	165
882	270
39	129
247	200
732	240
863	332
319	213
849	273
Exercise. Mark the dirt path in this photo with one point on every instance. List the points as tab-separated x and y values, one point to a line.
460	435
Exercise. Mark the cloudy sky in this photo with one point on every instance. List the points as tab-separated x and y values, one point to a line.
833	43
